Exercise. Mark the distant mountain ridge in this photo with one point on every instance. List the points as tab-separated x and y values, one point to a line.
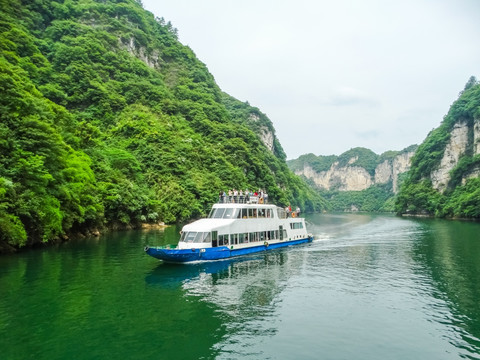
355	170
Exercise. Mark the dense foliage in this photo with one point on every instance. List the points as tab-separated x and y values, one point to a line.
376	198
106	119
462	195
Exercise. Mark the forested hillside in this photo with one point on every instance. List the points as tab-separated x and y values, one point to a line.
107	120
444	179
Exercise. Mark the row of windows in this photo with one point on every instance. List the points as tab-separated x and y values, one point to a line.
234	239
236	213
244	238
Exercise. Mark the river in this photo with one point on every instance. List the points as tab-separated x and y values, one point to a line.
369	287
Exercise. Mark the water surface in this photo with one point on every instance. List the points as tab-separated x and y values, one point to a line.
370	287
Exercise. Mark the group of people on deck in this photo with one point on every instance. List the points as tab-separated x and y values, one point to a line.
240	196
291	213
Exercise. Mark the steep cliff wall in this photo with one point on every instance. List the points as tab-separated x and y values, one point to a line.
444	179
455	148
352	177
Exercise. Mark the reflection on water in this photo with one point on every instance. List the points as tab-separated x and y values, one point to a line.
450	254
370	287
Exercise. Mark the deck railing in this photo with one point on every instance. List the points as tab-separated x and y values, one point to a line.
242	199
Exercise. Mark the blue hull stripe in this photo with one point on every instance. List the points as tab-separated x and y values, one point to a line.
216	253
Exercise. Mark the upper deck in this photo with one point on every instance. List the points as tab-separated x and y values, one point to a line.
246	211
243	199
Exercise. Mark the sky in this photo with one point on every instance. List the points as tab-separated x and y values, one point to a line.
338	74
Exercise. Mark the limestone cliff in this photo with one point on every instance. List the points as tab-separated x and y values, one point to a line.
455	148
356	170
464	138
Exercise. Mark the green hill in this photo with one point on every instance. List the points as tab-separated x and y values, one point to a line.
108	120
444	179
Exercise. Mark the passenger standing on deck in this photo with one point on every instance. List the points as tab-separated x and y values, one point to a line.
230	194
235	195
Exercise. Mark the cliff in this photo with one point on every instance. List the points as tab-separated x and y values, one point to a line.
445	175
355	170
357	180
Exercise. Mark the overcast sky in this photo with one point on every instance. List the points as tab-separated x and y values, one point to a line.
333	75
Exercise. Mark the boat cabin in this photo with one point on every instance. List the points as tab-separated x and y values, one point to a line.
242	225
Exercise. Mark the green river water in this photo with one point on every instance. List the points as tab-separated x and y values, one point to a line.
369	287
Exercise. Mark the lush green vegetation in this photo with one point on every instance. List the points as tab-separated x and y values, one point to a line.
107	120
376	198
461	198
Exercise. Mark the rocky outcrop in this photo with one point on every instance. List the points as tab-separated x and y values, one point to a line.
464	140
475	172
476	137
357	178
455	148
266	135
347	178
140	52
401	164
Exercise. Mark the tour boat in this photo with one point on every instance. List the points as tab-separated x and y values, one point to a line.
234	229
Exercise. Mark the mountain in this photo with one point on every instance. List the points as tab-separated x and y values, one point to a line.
358	179
444	179
108	120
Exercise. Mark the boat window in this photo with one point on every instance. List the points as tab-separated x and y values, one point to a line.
298	225
230	213
242	238
222	240
250	213
196	237
218	214
261	213
206	237
244	213
190	236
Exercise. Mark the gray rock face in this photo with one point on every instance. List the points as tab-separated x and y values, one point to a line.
356	178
